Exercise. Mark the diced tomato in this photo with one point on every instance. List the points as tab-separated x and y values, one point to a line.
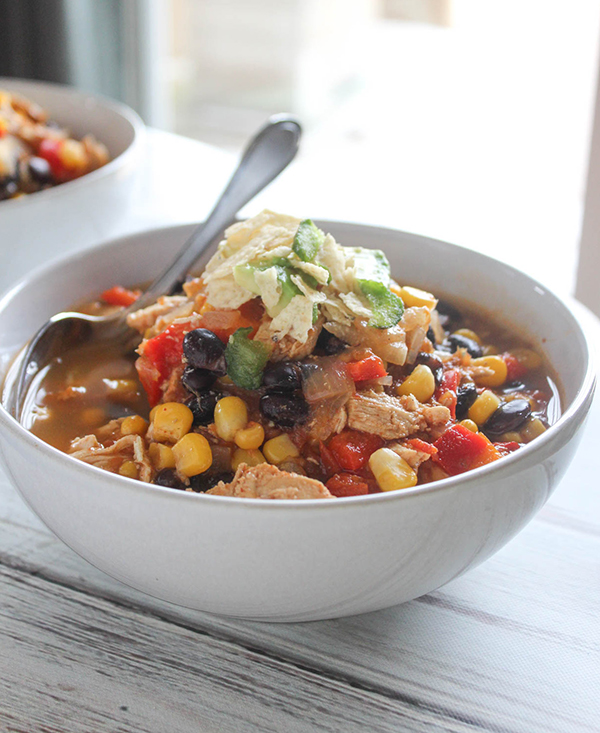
50	150
159	356
118	295
352	449
460	450
150	378
371	367
514	369
505	448
347	484
449	382
330	465
422	445
224	323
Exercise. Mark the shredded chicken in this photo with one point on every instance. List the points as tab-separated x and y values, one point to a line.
328	418
287	347
130	447
413	457
393	417
269	482
146	318
383	415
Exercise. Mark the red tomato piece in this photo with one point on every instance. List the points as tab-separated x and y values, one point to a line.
50	150
460	450
160	355
352	449
514	369
150	378
347	484
330	465
449	382
505	448
422	445
118	295
371	367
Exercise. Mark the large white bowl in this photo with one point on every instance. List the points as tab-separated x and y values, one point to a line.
38	227
285	560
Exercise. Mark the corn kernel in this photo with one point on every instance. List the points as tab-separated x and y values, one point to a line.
129	469
192	454
511	437
153	412
72	154
250	437
279	449
391	471
467	333
134	425
527	357
171	422
469	425
161	455
498	367
420	383
231	415
414	297
483	407
250	457
533	428
93	416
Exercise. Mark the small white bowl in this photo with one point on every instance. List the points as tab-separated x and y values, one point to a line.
305	560
40	226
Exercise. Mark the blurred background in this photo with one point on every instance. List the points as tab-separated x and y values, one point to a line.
467	120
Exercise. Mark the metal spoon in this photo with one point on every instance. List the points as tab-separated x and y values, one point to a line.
268	153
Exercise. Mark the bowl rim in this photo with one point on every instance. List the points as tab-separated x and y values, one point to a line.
571	415
138	129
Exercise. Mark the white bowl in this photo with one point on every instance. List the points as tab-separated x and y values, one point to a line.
305	560
38	227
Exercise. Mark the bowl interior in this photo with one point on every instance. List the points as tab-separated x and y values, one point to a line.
509	296
110	122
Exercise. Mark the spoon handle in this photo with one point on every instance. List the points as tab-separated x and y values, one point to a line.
267	154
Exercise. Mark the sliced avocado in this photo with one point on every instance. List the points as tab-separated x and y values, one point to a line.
244	277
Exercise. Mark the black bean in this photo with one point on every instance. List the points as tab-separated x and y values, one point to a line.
433	363
449	316
197	380
286	411
431	335
328	344
203	406
458	341
8	188
168	478
282	377
508	417
39	170
514	386
465	397
205	481
204	350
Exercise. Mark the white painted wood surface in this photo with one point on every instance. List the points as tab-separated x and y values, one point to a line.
512	647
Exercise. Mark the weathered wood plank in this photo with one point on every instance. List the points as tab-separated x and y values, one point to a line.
78	663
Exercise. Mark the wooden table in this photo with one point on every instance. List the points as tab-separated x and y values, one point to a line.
512	646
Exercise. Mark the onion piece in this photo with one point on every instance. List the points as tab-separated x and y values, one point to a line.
326	379
414	341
